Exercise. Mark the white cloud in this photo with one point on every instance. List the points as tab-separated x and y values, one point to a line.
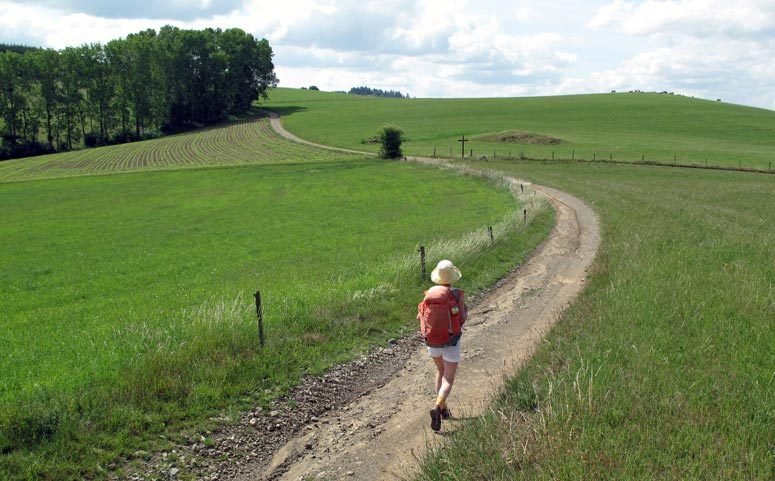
440	48
48	27
708	48
409	43
687	17
147	9
731	70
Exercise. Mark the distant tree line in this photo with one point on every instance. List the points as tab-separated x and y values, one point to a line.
4	47
377	92
129	89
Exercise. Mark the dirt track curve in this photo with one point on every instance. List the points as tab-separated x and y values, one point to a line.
368	420
379	435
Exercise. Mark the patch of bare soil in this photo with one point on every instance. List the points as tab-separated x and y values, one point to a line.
516	137
368	419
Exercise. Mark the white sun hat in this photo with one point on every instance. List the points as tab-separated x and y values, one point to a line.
445	273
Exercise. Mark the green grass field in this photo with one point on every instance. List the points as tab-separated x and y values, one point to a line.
128	297
623	127
128	310
665	366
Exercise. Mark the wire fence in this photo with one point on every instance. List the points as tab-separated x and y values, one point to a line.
764	167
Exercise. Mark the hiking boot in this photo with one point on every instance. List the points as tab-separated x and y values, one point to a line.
436	418
445	413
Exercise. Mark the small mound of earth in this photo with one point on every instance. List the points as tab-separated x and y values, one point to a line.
516	137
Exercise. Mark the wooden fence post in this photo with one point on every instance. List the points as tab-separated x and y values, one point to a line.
421	250
492	237
260	314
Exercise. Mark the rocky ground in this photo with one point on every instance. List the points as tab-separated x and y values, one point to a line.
222	453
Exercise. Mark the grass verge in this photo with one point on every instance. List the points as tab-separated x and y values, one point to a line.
664	367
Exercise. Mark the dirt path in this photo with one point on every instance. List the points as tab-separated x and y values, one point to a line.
380	434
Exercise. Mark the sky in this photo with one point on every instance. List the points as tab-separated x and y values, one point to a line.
712	49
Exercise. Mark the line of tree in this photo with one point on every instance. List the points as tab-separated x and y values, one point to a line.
377	92
6	47
129	89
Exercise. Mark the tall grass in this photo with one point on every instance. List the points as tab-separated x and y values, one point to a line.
129	311
665	367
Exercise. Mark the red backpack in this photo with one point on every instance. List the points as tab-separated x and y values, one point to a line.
439	316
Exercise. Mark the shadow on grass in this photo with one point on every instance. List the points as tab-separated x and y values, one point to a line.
285	111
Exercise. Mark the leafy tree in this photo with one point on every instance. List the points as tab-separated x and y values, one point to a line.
46	73
102	92
129	88
20	120
263	68
250	69
115	51
12	99
141	81
390	138
73	84
4	47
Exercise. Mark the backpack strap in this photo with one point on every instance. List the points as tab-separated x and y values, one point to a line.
463	310
457	305
456	294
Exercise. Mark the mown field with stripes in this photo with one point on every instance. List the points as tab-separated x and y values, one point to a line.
250	141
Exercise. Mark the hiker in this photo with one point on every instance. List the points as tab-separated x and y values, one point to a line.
442	314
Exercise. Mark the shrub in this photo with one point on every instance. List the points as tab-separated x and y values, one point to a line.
13	147
123	138
390	138
91	140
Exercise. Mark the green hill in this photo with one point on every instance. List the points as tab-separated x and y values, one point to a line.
624	126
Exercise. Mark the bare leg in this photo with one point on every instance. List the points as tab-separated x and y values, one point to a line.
439	362
447	379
